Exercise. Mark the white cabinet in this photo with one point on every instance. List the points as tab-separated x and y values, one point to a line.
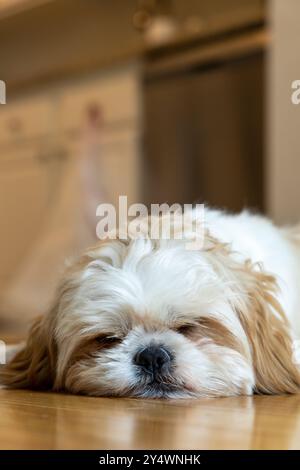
116	92
40	133
25	191
25	119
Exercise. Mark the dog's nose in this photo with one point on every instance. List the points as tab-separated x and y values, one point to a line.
153	359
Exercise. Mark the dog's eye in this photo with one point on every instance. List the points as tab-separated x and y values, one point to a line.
106	341
185	329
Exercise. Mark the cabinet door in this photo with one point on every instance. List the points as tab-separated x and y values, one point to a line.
229	125
25	119
112	164
27	183
101	115
204	135
114	92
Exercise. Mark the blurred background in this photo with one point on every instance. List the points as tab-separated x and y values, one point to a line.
160	100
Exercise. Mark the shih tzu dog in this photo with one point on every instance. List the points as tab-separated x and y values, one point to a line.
150	318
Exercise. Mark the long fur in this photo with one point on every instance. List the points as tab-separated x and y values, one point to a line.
219	311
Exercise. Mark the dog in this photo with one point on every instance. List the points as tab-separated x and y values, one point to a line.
150	318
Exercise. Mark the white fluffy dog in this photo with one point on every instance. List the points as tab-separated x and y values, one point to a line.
149	318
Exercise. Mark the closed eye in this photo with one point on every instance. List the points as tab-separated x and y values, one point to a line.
107	341
185	329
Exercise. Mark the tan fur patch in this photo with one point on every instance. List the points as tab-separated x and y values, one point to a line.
213	330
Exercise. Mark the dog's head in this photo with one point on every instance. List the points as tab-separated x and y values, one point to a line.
152	319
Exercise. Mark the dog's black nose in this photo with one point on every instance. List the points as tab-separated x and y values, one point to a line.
153	359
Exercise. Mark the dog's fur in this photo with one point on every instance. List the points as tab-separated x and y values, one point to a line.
227	314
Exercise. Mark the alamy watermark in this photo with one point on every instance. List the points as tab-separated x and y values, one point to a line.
295	96
161	222
2	92
2	352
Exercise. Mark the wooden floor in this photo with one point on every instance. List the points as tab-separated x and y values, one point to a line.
50	421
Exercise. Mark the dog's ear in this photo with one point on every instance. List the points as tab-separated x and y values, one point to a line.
34	365
269	335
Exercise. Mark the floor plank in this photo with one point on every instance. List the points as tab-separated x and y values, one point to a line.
32	420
